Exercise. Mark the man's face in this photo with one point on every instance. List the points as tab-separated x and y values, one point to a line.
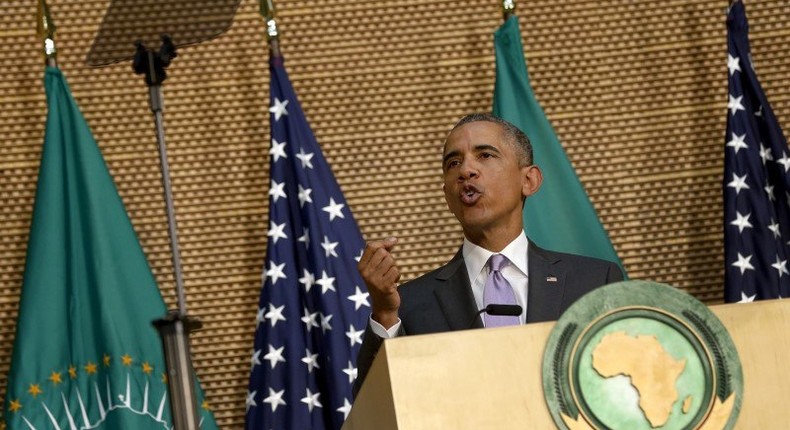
483	183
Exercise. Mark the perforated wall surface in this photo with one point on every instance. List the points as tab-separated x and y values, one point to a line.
635	89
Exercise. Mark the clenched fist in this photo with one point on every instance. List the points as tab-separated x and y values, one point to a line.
381	275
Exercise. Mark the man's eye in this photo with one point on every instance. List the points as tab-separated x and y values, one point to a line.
486	155
453	163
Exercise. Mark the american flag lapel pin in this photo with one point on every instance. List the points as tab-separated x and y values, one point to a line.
551	279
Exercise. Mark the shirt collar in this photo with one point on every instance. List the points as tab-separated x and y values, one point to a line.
476	256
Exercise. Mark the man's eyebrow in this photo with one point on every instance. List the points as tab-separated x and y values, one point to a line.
477	148
486	147
450	155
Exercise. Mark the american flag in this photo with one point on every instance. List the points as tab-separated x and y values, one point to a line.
314	306
756	181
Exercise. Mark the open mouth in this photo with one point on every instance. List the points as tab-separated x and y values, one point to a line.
470	194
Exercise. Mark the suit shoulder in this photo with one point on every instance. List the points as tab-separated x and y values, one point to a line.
581	259
586	264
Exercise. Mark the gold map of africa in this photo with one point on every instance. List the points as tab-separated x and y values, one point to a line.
652	370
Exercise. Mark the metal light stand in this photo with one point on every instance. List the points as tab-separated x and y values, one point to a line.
175	327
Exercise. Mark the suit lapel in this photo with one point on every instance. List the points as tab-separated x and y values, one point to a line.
546	285
455	295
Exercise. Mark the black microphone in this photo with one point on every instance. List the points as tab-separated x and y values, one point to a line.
499	310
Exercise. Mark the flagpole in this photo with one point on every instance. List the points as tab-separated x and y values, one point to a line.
45	29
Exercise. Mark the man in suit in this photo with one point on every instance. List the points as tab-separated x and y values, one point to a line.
488	175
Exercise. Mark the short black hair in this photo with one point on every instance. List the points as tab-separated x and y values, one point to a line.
514	135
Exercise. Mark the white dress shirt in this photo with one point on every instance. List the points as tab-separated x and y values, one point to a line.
475	258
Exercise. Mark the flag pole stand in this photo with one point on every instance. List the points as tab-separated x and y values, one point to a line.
174	328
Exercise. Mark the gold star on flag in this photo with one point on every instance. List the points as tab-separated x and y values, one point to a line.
34	390
55	378
205	405
72	372
15	405
147	369
127	360
164	378
90	368
106	360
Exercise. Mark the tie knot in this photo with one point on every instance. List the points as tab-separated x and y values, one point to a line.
497	262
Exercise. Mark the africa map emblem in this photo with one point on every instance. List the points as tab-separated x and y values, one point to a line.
641	355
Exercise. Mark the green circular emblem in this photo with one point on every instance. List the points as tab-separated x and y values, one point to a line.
640	355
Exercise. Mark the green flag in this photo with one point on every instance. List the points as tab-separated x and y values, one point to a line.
85	353
560	216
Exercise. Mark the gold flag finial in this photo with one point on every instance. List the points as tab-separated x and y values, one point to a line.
45	29
267	11
508	8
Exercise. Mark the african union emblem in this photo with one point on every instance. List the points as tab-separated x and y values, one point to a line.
640	355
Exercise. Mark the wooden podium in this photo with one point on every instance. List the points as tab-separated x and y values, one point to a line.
491	379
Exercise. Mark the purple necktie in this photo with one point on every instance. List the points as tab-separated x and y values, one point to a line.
499	292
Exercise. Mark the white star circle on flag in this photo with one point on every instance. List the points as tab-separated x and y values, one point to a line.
351	371
743	263
784	161
781	266
774	227
278	150
275	272
359	298
311	400
742	221
737	142
251	400
275	355
739	183
325	326
735	105
733	64
307	280
354	335
311	360
275	313
276	231
275	399
256	360
305	159
329	247
335	210
305	238
345	409
277	190
765	153
326	282
278	108
304	196
309	319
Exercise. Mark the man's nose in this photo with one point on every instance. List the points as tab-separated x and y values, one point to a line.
468	170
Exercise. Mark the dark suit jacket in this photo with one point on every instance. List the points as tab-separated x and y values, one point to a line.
442	300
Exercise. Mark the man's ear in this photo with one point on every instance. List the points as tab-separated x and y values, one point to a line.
531	179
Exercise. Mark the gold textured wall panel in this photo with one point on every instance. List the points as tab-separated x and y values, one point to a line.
636	90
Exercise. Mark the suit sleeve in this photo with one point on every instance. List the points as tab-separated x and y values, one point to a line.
371	343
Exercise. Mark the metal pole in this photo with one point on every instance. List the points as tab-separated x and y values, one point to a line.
175	327
157	107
